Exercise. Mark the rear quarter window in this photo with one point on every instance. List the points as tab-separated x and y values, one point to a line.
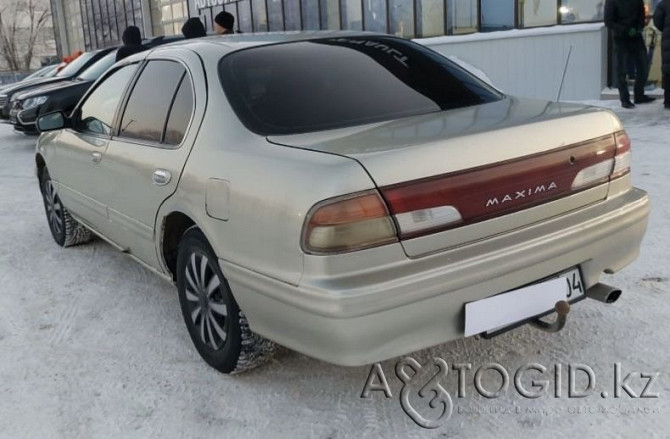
322	84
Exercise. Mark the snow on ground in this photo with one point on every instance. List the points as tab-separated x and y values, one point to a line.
92	345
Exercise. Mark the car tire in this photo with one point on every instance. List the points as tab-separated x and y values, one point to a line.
218	328
65	230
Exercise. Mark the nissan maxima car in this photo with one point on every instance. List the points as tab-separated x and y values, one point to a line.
69	72
351	196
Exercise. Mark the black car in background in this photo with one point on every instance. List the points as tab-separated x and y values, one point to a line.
44	72
60	96
63	96
68	73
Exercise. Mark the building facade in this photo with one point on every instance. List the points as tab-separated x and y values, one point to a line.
404	18
92	24
520	44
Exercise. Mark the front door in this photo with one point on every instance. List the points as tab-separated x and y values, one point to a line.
80	151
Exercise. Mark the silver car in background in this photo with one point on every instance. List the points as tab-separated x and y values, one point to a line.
351	196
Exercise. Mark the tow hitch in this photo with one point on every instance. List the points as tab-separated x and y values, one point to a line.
562	309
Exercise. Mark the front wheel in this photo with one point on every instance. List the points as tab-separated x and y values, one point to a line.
65	230
218	328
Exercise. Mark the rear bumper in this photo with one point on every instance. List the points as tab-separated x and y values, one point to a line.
406	305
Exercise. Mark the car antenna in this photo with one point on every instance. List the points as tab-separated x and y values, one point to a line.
565	69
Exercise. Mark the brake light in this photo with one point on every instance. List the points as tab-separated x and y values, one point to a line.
349	223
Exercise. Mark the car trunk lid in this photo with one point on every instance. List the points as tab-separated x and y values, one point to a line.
448	174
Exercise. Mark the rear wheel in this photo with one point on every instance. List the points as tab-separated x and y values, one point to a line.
65	230
218	328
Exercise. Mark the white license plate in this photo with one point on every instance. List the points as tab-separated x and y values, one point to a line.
515	306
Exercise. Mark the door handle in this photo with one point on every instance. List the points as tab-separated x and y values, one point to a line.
96	157
161	177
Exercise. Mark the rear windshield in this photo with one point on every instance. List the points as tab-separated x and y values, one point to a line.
322	84
72	68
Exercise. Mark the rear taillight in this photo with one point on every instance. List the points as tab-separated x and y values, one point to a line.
610	168
349	223
622	157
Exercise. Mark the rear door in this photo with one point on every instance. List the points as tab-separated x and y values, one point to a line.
145	157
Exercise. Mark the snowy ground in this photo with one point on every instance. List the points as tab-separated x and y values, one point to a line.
93	345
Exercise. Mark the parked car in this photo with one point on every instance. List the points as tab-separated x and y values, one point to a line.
59	96
44	72
63	96
70	72
354	204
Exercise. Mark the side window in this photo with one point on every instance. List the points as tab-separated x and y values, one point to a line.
180	114
97	112
149	103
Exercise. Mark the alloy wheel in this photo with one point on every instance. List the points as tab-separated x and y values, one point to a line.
207	309
54	208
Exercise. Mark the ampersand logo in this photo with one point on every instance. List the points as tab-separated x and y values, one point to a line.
439	397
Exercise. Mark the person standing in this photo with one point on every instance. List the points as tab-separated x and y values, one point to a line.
662	21
224	22
132	43
626	18
193	28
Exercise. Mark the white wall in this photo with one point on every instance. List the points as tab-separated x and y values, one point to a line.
530	62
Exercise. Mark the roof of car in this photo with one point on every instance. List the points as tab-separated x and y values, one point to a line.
243	40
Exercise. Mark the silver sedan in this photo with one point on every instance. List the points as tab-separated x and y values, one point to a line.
350	196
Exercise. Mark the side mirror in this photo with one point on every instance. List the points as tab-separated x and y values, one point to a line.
52	121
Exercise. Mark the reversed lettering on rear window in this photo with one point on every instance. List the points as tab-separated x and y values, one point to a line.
332	83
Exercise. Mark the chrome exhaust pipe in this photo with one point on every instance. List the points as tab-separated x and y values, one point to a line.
603	293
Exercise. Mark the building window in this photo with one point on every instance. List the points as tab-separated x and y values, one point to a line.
310	14
292	15
374	13
168	16
461	16
576	11
275	15
260	15
402	18
497	15
537	12
430	14
330	14
352	15
244	16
